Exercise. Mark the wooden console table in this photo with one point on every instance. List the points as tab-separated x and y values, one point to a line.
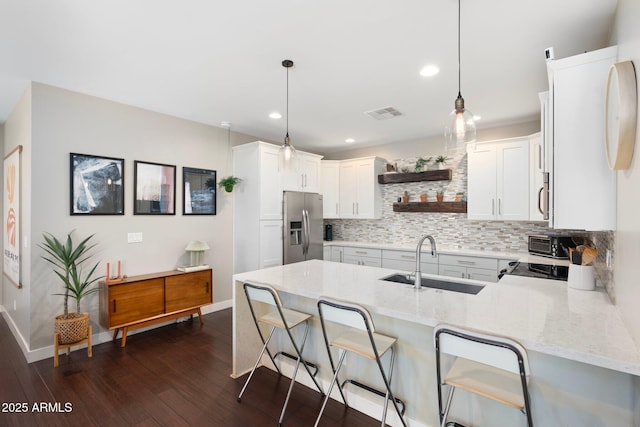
147	299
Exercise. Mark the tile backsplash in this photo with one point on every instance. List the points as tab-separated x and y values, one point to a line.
451	230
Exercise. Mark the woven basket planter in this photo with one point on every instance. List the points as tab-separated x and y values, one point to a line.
72	329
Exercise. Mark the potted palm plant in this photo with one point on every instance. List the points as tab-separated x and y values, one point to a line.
68	261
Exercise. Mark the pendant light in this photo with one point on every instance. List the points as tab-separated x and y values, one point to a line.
461	128
287	157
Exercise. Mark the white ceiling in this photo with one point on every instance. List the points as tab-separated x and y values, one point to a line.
213	61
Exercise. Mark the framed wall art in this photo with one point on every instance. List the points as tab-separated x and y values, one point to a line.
11	208
199	191
154	189
97	185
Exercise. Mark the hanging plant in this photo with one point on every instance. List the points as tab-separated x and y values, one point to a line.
228	183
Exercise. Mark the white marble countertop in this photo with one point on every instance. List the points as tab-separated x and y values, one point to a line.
544	315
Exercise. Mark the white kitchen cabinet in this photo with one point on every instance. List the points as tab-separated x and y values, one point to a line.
498	180
337	253
307	176
257	207
330	189
468	267
405	261
583	188
360	195
536	173
326	253
362	256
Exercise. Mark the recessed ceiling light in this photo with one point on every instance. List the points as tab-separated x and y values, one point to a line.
429	71
349	140
275	115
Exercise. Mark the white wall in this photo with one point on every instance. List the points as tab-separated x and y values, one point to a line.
626	269
60	122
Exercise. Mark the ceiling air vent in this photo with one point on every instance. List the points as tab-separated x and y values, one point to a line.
383	113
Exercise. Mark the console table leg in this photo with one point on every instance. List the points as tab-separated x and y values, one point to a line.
124	336
200	316
115	334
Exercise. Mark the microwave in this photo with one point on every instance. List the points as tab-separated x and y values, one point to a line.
552	246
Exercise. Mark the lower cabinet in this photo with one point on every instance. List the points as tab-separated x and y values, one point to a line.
362	256
140	301
337	253
406	261
467	267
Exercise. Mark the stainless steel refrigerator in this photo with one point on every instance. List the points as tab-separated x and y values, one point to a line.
302	238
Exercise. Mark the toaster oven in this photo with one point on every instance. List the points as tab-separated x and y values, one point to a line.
551	245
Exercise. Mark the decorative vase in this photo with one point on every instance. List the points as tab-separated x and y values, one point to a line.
423	198
405	199
72	329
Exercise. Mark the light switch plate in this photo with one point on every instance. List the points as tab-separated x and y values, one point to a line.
134	237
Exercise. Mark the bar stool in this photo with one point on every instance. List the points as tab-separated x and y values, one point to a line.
284	319
362	339
488	365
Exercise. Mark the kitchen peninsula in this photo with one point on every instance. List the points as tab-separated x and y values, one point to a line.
585	367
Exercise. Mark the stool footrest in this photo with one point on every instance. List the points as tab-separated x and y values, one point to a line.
292	357
372	390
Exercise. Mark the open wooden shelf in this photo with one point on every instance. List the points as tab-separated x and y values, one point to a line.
439	207
398	178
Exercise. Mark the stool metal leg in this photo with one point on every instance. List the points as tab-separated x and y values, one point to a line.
264	347
299	353
343	353
447	407
389	394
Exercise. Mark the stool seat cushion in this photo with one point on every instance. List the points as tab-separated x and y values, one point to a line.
292	317
497	384
357	341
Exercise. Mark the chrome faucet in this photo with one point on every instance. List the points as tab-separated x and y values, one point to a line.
417	275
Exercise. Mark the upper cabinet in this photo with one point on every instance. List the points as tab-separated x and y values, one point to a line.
330	189
498	180
583	188
307	176
360	195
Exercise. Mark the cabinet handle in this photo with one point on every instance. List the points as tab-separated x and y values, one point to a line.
114	305
540	157
493	206
357	208
411	257
353	208
466	262
462	275
499	206
468	275
361	252
207	287
336	209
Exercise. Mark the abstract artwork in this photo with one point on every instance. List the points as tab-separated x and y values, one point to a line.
97	185
11	208
199	192
155	189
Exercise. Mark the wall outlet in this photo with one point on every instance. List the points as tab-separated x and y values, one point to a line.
134	237
15	306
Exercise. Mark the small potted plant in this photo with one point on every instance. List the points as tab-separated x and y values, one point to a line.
68	260
228	183
405	197
423	197
459	196
440	161
440	196
422	163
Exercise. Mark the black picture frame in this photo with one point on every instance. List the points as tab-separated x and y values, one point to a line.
154	188
198	191
97	185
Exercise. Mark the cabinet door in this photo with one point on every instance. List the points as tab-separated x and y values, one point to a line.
365	189
188	290
311	172
270	184
371	262
330	189
131	302
481	182
536	171
482	274
336	254
513	180
452	271
351	259
348	190
270	243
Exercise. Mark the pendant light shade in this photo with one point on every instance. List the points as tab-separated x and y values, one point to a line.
287	156
461	128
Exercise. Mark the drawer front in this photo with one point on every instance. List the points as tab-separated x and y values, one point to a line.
482	274
469	261
425	257
409	266
132	302
453	271
372	253
360	260
188	290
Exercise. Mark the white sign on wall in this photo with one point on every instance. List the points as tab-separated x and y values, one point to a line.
12	216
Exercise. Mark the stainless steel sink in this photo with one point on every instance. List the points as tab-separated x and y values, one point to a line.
446	285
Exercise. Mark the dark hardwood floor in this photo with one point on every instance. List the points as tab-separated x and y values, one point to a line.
177	375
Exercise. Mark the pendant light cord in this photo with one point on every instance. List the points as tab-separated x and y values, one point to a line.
459	79
287	101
